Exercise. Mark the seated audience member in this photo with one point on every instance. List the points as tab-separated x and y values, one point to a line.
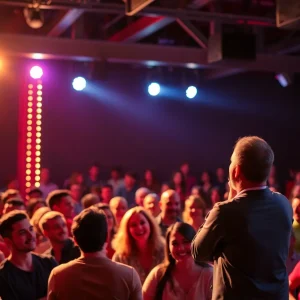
150	182
170	210
9	194
34	204
118	206
96	190
151	204
76	194
13	204
179	277
76	178
140	195
164	187
216	195
178	184
293	257
93	275
89	200
116	180
42	243
93	177
111	225
128	190
206	187
34	193
294	283
196	191
194	212
138	242
46	186
23	275
190	180
61	201
106	193
54	227
296	223
295	192
221	181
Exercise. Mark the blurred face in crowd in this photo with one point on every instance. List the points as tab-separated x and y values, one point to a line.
148	176
129	181
114	175
139	227
10	207
151	204
106	194
180	248
185	169
215	196
297	177
164	187
195	212
205	177
196	191
94	171
177	178
76	192
110	220
79	178
119	209
170	205
272	171
296	209
56	230
45	175
65	206
220	173
140	196
23	238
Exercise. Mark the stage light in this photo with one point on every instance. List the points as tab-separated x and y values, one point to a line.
154	89
79	83
34	17
285	79
28	184
37	56
36	72
37	184
191	92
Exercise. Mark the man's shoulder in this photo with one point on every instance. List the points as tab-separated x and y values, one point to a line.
45	260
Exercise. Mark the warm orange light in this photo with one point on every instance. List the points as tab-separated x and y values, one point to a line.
39	122
29	116
30	92
39	93
28	159
37	184
29	110
38	147
39	104
30	86
39	87
30	98
38	141
29	134
29	141
28	153
28	166
28	178
29	104
38	128
38	134
28	172
28	184
39	98
37	166
29	128
28	147
39	110
38	159
37	178
37	172
38	117
38	153
29	122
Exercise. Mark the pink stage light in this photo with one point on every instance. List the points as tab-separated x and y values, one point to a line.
36	72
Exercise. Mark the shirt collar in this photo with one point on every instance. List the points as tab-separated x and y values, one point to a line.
258	188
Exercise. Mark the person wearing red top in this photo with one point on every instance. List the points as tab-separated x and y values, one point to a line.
294	283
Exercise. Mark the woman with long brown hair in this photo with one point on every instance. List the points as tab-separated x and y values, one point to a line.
138	242
179	277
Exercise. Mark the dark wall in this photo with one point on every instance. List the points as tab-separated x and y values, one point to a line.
115	122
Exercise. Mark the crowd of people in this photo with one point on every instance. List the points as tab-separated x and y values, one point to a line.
125	238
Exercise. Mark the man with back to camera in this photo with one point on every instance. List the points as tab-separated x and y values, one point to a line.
248	236
23	275
93	275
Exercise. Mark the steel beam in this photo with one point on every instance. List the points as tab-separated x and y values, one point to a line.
140	29
61	48
183	14
194	33
221	73
199	3
65	22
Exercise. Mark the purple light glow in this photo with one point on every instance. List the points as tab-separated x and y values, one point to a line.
36	72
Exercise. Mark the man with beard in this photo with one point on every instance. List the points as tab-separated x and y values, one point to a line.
170	210
23	275
54	227
248	236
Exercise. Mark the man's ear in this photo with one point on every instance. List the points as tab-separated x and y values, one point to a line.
237	173
160	204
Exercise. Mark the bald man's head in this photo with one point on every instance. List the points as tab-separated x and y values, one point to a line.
170	204
140	195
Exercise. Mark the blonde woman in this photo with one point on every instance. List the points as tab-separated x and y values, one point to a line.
118	206
194	212
138	242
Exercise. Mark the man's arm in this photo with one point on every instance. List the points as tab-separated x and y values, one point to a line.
208	236
136	293
51	287
294	280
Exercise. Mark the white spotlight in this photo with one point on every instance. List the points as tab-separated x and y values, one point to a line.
191	92
154	89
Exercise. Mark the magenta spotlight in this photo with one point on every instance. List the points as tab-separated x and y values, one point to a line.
36	72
